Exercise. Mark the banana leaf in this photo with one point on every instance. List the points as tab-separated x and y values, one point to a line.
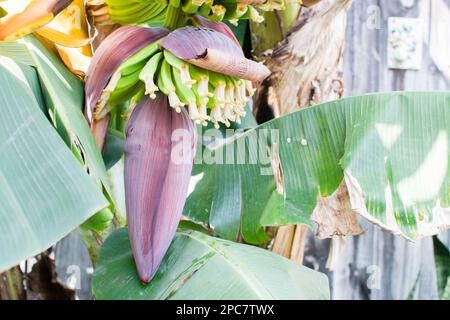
442	260
198	266
44	191
392	149
66	110
63	96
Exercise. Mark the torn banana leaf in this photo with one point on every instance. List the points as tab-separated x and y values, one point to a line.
66	110
62	95
204	267
392	150
41	182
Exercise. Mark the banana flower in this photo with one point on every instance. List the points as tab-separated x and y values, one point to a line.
169	81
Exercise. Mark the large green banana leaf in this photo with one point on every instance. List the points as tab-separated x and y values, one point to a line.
63	94
392	149
198	266
44	191
63	98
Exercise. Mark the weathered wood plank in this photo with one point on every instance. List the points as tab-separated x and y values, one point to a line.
378	265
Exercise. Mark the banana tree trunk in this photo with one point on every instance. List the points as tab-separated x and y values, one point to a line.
11	285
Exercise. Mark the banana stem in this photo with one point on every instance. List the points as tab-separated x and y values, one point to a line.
175	18
116	118
13	285
276	26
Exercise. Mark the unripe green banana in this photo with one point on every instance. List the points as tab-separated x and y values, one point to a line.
219	83
205	8
175	3
230	103
126	82
216	79
217	101
136	12
202	102
191	6
217	13
271	5
134	101
136	17
148	1
133	68
117	2
166	85
120	87
252	14
216	112
239	97
139	58
123	95
201	76
158	15
148	73
125	88
182	66
187	96
126	8
235	10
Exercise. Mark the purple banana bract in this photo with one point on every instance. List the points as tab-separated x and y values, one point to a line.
117	47
160	142
159	152
213	50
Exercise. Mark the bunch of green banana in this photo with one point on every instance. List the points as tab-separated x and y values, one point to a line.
232	10
163	82
129	11
207	95
151	11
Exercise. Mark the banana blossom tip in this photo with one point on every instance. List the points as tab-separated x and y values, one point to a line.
159	151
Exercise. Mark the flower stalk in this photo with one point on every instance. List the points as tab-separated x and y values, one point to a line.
175	18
